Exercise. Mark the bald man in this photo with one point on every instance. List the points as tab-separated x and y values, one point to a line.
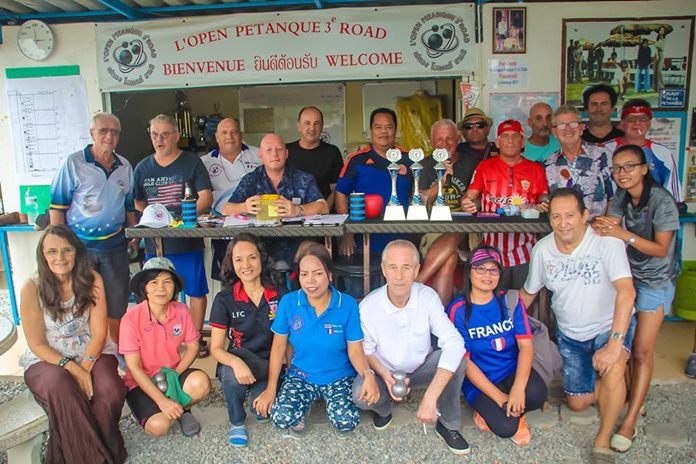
542	143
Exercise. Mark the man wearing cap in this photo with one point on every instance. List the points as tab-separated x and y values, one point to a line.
542	143
93	194
226	166
440	250
475	128
593	294
397	322
508	179
600	103
161	178
577	164
366	171
636	117
311	154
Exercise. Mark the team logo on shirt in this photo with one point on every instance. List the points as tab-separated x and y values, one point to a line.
296	324
525	185
498	344
273	305
215	170
176	330
333	328
235	337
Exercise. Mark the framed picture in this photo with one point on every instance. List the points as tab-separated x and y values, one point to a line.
509	30
516	106
647	58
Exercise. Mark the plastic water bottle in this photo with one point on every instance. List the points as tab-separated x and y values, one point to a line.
31	203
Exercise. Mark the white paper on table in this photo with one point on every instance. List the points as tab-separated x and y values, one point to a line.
325	220
238	220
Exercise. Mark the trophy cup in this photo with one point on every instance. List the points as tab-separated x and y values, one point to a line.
440	211
394	210
416	210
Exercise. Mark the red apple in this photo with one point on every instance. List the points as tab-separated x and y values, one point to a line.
373	205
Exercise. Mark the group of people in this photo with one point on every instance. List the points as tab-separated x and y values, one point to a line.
610	195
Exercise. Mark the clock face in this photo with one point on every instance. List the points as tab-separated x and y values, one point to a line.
35	40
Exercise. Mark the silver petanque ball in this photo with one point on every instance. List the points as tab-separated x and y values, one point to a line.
162	385
159	377
399	390
544	198
399	376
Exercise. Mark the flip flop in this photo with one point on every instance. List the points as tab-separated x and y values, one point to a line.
621	444
602	456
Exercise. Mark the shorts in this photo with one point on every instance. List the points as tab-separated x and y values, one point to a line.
190	267
513	277
649	299
142	406
578	372
113	266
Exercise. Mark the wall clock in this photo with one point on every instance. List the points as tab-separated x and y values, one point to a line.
35	40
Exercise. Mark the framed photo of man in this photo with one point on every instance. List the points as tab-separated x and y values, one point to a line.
509	30
648	58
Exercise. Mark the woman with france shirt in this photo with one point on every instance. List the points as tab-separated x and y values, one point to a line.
242	313
500	383
323	326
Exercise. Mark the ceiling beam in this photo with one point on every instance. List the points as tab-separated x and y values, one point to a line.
119	7
318	4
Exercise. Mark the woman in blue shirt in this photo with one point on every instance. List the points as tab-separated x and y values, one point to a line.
323	326
500	383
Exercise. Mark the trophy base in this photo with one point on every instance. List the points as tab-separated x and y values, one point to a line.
394	213
440	213
417	213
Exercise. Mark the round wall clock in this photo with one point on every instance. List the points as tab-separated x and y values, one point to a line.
35	40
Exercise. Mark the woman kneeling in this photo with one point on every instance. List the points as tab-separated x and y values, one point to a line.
161	385
500	383
70	365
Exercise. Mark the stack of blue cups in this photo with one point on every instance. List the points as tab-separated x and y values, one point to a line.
357	206
188	212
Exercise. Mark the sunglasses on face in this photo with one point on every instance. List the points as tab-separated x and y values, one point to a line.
477	125
106	130
628	167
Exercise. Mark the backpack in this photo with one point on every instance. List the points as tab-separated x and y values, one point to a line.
547	359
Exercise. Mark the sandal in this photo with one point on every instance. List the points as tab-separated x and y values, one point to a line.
602	456
203	349
621	444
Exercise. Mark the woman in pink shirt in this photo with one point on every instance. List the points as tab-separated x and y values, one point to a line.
151	335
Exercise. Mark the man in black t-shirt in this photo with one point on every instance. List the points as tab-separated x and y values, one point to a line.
314	156
600	102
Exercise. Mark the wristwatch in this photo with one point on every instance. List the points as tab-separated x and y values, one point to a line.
300	210
366	371
631	240
618	336
63	361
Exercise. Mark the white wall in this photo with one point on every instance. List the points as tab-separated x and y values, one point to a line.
75	44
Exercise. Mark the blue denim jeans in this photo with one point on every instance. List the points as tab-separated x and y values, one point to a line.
235	393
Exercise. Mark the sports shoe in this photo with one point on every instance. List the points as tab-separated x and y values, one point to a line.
691	366
237	436
343	434
189	425
379	422
299	431
523	435
455	442
481	422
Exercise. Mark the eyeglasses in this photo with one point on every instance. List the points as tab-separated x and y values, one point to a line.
54	253
106	130
642	119
573	125
493	271
160	135
477	125
628	167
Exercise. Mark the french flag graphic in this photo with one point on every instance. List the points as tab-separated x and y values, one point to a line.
498	344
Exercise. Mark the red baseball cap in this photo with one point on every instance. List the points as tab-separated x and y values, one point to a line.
510	125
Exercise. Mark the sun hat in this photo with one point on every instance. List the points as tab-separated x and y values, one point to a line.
486	255
474	112
157	263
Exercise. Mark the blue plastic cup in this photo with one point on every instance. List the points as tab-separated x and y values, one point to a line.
357	206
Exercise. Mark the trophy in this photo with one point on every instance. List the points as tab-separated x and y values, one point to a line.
416	210
440	211
394	210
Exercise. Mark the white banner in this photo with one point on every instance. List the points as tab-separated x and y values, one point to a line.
299	46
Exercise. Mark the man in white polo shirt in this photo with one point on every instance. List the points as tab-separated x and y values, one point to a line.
593	297
226	166
397	321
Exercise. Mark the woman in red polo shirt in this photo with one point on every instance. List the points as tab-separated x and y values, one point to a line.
243	313
151	335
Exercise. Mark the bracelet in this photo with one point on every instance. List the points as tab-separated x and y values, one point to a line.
618	336
90	358
63	361
370	371
300	210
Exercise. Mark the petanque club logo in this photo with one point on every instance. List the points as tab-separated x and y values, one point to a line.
437	39
128	56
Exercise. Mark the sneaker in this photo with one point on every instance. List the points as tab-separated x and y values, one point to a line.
523	435
189	425
299	431
379	422
455	442
691	366
481	422
237	436
343	434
